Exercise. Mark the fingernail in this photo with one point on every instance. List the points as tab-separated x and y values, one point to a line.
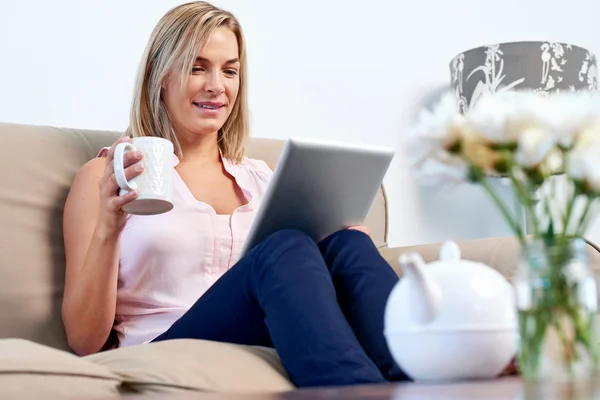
133	193
137	154
139	167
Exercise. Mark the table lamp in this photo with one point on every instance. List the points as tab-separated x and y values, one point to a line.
544	67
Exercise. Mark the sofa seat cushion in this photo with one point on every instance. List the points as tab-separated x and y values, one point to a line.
189	364
32	370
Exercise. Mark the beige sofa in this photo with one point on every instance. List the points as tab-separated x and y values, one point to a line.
37	167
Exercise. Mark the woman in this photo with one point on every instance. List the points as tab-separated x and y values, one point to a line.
177	275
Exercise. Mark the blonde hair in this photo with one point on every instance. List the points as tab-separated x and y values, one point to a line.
172	49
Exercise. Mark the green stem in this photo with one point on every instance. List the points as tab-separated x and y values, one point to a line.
573	191
525	199
523	194
498	201
567	345
552	201
532	339
569	213
586	217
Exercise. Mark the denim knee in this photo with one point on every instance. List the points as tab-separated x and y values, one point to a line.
289	247
348	237
291	237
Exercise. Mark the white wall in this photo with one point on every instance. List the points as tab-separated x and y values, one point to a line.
337	69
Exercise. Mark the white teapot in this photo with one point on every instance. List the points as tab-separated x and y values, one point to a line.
451	319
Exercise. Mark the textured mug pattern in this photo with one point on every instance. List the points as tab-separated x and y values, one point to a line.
544	67
157	178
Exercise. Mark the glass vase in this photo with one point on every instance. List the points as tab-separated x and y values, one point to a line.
556	297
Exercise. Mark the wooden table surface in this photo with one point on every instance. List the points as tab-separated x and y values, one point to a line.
508	388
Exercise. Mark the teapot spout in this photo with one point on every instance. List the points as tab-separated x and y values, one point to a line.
424	295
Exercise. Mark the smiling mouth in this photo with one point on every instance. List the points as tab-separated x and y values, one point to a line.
209	106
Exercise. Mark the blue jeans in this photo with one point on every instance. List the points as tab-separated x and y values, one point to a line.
320	306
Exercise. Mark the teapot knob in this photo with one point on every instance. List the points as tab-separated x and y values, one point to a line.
450	252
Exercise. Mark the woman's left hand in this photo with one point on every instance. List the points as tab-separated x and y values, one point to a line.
362	228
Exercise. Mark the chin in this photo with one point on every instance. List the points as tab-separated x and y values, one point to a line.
207	129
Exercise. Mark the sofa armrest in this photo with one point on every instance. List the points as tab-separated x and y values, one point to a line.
500	253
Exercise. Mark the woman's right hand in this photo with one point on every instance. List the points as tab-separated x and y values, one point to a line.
111	218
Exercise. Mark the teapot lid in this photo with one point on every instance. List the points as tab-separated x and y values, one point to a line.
449	252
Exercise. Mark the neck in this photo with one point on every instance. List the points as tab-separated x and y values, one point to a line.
199	149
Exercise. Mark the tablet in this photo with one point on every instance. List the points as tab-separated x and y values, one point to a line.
319	187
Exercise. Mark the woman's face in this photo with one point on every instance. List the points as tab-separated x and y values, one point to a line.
203	105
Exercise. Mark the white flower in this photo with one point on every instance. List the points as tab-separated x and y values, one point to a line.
435	130
492	115
503	117
432	138
583	165
442	170
553	163
566	113
534	145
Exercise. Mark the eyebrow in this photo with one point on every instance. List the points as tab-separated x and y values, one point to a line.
228	62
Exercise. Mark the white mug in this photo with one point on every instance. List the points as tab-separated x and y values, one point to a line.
155	183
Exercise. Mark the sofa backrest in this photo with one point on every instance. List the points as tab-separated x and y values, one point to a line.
37	166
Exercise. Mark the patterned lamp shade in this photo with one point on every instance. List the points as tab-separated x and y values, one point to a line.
543	67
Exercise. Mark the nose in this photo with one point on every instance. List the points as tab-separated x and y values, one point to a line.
214	83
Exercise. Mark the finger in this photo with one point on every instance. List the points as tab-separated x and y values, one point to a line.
131	157
117	202
131	172
356	228
134	170
361	228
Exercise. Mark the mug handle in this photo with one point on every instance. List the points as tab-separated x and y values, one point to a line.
118	160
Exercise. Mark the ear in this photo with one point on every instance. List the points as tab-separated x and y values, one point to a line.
166	80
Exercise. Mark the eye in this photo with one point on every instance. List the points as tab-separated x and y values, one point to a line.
197	69
231	72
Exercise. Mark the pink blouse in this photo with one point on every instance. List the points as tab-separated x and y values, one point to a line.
168	261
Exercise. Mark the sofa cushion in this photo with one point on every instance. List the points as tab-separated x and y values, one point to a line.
188	364
28	369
